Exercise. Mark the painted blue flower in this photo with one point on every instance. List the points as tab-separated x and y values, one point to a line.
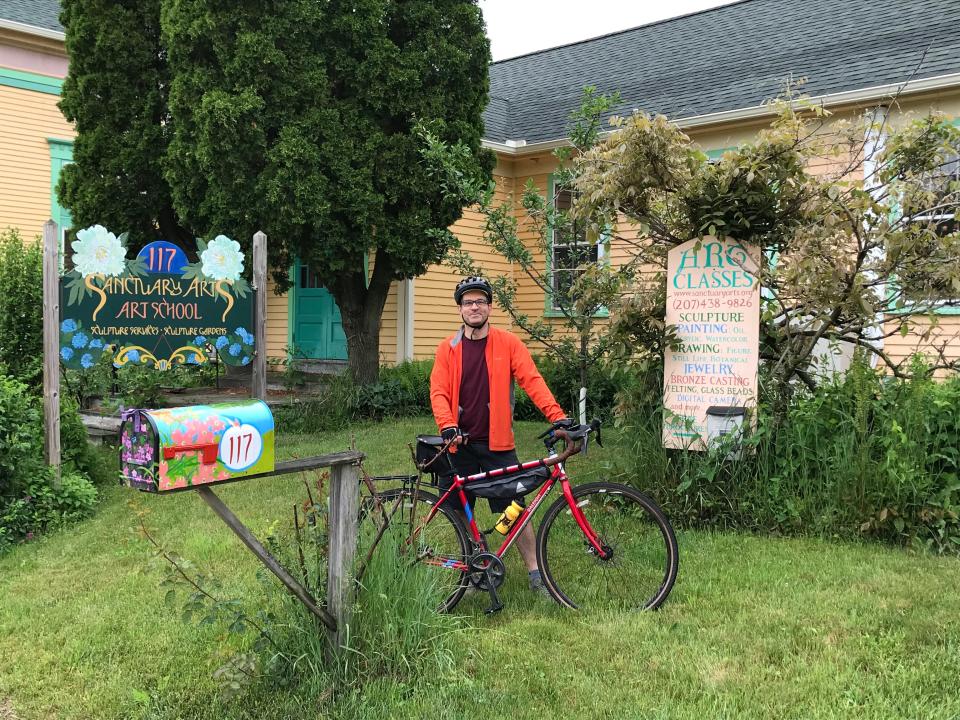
86	361
134	356
193	359
234	349
222	342
199	340
245	360
244	335
66	353
96	343
79	340
68	325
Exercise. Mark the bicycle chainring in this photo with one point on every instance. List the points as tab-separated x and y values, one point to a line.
486	568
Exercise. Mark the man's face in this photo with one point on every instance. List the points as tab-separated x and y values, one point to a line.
474	308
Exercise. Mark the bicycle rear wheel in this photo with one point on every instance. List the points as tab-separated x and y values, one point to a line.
643	556
442	544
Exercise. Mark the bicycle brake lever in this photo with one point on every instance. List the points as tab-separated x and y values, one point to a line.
595	426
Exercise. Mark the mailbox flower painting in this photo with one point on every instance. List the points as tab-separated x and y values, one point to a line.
222	260
180	448
98	251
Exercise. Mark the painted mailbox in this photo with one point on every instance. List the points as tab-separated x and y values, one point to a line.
181	448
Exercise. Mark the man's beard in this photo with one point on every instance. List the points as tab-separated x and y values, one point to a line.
475	326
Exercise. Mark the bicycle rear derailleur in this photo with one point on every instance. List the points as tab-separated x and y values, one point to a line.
486	572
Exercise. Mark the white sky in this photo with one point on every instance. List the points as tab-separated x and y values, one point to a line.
517	27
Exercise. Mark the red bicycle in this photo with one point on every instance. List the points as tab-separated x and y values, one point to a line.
602	545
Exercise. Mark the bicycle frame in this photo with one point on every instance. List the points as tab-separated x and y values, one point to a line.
558	474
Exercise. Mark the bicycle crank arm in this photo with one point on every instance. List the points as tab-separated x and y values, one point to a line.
495	604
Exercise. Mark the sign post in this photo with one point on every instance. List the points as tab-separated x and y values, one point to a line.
51	347
259	385
710	377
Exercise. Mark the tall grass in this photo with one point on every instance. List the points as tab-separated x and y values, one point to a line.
863	456
395	637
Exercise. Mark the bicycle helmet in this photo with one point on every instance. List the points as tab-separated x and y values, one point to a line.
472	283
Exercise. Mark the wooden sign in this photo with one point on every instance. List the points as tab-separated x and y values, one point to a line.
156	309
710	377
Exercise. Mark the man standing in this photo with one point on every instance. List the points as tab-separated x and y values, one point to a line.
471	392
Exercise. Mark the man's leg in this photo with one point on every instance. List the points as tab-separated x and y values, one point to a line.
527	545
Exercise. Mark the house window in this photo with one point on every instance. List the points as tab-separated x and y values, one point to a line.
570	249
944	183
936	212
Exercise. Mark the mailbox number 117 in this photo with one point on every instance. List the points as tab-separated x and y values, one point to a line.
240	447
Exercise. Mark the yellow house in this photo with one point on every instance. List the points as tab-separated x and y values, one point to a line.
710	72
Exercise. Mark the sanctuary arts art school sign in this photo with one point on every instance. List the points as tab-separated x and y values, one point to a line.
713	301
156	309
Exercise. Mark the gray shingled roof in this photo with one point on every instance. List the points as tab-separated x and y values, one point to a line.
727	58
39	13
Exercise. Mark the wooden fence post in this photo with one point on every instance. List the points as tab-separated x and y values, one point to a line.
259	384
51	347
344	509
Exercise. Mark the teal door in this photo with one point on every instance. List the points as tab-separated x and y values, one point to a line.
317	328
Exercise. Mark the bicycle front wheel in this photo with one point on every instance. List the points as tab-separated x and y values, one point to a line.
442	545
641	552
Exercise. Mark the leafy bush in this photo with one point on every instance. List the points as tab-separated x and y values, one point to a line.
78	454
21	308
863	456
140	386
21	437
29	504
401	391
43	507
564	382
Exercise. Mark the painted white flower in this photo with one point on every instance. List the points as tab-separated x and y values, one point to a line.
222	260
96	250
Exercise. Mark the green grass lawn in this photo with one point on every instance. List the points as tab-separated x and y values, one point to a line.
755	627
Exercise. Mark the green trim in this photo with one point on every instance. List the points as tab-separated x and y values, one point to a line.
30	81
61	149
61	154
717	153
291	307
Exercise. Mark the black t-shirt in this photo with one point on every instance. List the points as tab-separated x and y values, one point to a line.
475	390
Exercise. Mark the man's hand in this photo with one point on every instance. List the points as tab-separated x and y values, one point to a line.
452	433
565	423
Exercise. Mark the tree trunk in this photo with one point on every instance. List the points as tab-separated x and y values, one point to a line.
361	307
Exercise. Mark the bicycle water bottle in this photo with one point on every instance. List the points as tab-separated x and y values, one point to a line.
509	515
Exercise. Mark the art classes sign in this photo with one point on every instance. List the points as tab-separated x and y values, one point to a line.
713	302
156	309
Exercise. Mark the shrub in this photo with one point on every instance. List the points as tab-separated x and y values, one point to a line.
863	456
21	437
43	507
401	391
21	308
564	383
141	386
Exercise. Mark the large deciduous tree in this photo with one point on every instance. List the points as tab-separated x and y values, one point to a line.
297	118
115	93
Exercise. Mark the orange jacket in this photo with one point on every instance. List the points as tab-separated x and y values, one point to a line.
507	359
